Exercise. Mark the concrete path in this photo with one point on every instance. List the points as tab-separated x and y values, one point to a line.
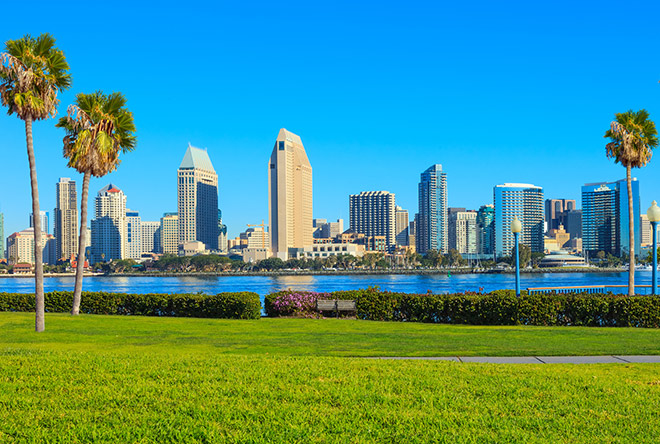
619	359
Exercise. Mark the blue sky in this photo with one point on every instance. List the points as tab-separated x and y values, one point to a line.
494	91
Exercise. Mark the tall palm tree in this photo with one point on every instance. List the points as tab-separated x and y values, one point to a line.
32	72
633	137
98	128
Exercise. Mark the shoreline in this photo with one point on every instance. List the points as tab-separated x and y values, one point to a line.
326	273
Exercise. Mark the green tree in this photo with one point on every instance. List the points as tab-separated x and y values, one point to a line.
524	255
649	257
454	258
32	72
632	139
98	128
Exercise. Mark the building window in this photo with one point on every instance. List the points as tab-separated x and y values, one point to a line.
281	145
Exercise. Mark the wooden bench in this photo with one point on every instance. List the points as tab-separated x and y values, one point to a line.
335	305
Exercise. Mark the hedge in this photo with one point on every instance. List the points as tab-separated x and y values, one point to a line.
242	305
500	307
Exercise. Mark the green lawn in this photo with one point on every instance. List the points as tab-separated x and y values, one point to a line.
130	379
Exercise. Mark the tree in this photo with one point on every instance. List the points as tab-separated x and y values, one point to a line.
632	139
649	257
454	258
98	128
32	72
525	255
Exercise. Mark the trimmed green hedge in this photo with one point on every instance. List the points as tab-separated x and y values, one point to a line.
502	307
243	305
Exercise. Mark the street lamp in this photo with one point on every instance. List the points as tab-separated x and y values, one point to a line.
653	214
516	228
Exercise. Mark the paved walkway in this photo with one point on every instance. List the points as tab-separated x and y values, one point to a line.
620	359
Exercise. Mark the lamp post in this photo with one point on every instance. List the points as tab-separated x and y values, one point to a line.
653	214
516	228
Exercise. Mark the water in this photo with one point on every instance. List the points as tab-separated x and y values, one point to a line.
437	283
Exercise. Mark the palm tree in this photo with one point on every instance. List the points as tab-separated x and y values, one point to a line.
32	72
633	137
98	128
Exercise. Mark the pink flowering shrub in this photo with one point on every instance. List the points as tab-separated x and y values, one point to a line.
294	303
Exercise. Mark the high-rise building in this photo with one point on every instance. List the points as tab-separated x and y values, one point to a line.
20	247
289	195
109	225
412	233
198	199
556	211
647	231
401	227
605	222
526	202
574	223
373	213
133	235
462	226
65	221
432	224
485	229
44	219
150	236
169	233
222	234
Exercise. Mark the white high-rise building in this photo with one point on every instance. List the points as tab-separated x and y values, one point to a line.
150	236
65	219
133	235
169	233
289	195
109	225
44	218
401	227
20	247
198	199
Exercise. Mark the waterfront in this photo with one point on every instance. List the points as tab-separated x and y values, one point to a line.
422	283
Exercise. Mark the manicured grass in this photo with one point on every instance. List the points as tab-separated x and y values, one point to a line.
318	337
130	379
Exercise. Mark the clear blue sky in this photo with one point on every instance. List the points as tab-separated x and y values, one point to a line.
494	91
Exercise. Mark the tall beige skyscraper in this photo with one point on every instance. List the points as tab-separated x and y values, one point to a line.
198	199
289	195
65	224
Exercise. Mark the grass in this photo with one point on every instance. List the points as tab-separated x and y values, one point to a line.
130	379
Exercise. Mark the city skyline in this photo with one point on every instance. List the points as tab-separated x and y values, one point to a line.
369	128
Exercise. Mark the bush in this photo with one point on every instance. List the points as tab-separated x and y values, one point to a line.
243	305
500	307
293	303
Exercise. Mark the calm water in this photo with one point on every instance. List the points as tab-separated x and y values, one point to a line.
440	283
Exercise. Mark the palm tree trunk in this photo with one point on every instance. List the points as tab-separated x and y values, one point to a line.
631	235
39	305
80	265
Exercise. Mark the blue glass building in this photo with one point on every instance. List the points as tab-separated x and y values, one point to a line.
432	227
605	221
526	202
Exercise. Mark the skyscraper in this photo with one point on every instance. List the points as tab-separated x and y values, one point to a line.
401	227
373	213
109	225
556	212
462	226
485	232
65	222
169	233
198	199
133	235
605	224
44	219
526	202
289	195
150	236
432	224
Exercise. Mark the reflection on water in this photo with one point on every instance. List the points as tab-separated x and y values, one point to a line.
438	283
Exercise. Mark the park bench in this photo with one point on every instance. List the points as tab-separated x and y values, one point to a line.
335	305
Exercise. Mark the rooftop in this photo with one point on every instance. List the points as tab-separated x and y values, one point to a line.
196	158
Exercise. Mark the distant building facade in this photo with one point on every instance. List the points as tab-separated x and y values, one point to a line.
524	201
485	229
169	233
44	219
373	213
198	199
462	226
555	212
290	200
432	228
20	247
133	235
402	221
65	220
605	222
150	233
109	225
